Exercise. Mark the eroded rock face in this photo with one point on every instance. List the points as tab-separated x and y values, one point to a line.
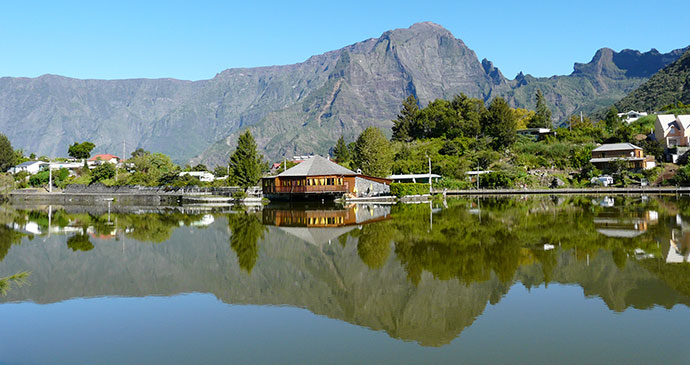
294	109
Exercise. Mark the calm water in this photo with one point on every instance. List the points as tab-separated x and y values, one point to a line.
513	280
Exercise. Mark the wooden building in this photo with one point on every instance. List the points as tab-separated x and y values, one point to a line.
319	178
604	155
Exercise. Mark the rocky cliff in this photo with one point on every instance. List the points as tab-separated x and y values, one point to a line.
294	109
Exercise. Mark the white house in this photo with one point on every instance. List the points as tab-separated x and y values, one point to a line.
672	131
631	116
31	167
204	176
414	178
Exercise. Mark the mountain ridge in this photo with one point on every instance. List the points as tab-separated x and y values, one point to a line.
293	109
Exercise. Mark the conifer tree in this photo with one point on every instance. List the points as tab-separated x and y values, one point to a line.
542	118
341	152
246	163
7	154
499	123
404	124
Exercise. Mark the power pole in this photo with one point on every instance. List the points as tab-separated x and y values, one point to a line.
50	178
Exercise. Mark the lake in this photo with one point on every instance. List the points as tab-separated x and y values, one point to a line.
539	279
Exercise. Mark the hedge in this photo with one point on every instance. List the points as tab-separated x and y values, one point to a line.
403	189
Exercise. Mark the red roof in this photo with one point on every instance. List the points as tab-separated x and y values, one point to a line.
103	157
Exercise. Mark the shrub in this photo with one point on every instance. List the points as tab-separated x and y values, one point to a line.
403	189
102	172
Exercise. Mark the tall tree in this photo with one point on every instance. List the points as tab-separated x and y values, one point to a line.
470	112
81	151
341	152
499	123
612	120
404	123
7	155
542	117
373	153
245	163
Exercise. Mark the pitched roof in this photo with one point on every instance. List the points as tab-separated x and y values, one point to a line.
666	120
684	120
103	157
317	166
616	147
30	163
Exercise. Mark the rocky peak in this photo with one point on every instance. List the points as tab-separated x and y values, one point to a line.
493	72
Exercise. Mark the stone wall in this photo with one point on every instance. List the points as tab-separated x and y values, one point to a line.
366	187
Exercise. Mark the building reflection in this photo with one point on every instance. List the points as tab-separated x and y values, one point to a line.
323	224
616	221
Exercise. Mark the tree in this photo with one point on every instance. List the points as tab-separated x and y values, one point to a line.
140	152
469	112
499	123
220	171
612	120
103	172
149	168
542	117
341	152
403	124
246	163
7	155
81	151
373	153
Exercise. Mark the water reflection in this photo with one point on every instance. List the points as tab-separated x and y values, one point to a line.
419	272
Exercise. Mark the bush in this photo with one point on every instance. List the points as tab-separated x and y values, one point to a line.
403	189
102	172
495	180
239	194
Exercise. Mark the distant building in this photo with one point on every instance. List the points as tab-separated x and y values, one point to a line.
318	177
536	133
31	167
414	178
672	131
603	155
203	176
105	157
631	116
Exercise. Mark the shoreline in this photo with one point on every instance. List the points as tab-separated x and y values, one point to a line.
569	191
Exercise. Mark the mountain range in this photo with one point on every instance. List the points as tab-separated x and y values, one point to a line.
300	108
668	86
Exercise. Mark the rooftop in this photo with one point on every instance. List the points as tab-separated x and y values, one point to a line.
412	176
616	147
103	157
317	166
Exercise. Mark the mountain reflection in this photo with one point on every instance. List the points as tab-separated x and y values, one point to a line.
420	272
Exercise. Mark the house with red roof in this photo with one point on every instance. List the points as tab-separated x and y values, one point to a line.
104	157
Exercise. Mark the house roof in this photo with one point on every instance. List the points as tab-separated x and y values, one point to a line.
103	157
616	147
684	120
317	166
30	163
412	176
666	120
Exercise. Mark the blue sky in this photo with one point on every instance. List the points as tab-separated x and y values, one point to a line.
196	39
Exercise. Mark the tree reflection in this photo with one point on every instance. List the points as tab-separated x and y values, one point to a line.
80	242
8	237
246	229
374	243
